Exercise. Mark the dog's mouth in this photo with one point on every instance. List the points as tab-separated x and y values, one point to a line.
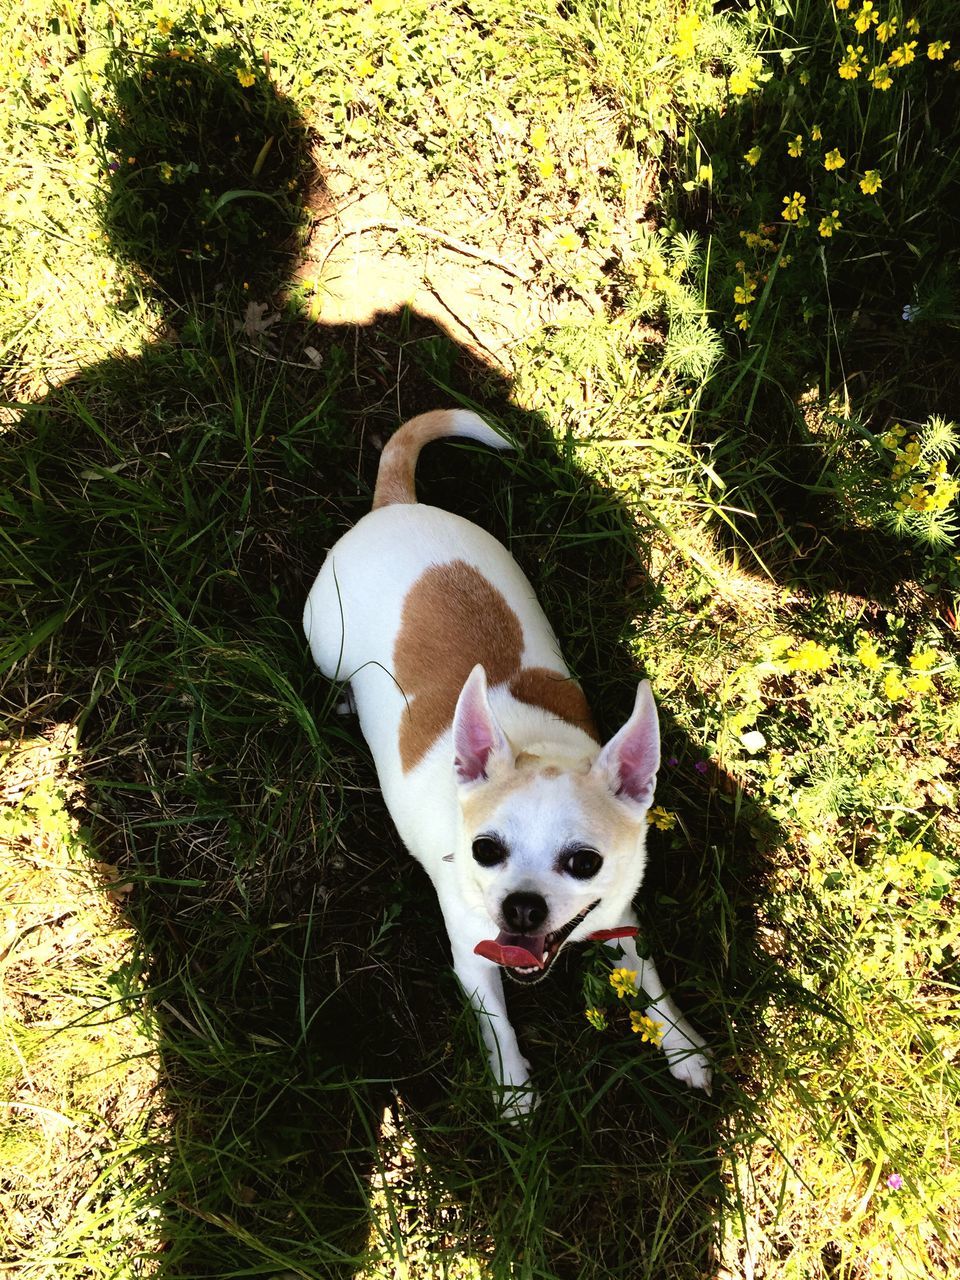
528	956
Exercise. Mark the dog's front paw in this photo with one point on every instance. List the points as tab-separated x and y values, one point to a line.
517	1097
688	1057
517	1102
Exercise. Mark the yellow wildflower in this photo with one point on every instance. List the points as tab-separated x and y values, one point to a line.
752	156
893	687
661	818
936	49
794	207
742	319
365	67
245	76
886	30
538	137
567	241
924	660
546	167
868	655
867	17
597	1018
742	81
743	294
880	77
645	1027
913	26
833	160
687	26
624	982
811	656
795	146
815	133
164	26
849	67
842	4
920	683
830	223
871	182
903	54
804	77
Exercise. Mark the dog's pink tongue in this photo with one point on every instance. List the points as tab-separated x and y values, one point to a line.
513	950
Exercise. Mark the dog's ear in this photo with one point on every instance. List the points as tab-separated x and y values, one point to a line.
478	740
629	762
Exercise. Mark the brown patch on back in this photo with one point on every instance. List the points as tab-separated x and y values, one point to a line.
556	693
453	618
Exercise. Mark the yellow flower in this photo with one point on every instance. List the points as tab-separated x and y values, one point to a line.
871	182
645	1027
887	30
920	683
811	656
597	1018
833	160
795	146
687	26
936	49
743	294
913	26
567	241
752	156
246	77
830	224
867	17
880	77
815	133
164	26
903	54
842	4
546	167
849	68
924	660
804	77
893	687
661	819
743	319
624	982
742	81
794	207
868	655
364	67
538	137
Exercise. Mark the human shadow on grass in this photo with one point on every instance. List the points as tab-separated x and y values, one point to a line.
173	509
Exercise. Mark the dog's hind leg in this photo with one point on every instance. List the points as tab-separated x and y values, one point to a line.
687	1055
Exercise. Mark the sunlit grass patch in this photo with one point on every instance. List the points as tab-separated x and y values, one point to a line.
80	1113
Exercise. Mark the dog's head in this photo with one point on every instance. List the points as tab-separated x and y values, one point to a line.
551	849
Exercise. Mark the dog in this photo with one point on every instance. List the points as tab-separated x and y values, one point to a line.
532	832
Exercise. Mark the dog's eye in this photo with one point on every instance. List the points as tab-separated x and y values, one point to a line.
489	851
583	864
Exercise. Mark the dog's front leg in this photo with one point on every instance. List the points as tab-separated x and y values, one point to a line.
687	1055
483	984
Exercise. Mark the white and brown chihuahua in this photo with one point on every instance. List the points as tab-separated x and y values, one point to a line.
532	832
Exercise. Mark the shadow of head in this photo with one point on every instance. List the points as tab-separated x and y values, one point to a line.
209	170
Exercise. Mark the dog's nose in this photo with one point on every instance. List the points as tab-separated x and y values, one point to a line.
524	912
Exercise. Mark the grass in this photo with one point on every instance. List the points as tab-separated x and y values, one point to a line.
237	248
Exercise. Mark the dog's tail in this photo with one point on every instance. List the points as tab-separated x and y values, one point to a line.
398	462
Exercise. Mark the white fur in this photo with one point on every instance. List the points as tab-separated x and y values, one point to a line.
352	619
